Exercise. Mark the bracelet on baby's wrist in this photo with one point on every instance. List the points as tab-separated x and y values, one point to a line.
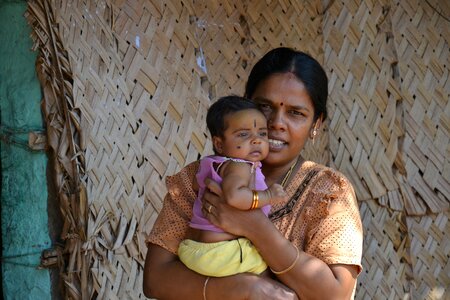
255	200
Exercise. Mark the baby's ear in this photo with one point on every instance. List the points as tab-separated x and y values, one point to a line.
217	144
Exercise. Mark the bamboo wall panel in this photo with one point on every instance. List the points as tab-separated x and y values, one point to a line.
422	40
387	273
390	87
365	123
140	75
429	253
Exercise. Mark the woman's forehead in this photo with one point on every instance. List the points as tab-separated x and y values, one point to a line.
283	87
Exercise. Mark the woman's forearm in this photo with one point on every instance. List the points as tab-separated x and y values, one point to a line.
165	277
310	277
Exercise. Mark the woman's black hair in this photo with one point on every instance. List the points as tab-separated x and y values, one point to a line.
215	118
302	65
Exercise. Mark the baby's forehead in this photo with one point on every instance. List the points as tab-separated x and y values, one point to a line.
246	115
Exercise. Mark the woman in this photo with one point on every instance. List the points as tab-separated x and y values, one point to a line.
312	243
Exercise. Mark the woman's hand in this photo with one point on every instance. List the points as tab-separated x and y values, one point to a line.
277	194
266	288
247	286
230	219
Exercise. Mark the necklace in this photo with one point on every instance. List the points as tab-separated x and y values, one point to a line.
288	174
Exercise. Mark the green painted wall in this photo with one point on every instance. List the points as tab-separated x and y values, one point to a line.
24	221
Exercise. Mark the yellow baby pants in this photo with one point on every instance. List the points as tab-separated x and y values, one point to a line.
222	258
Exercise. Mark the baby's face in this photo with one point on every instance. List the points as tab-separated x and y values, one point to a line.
245	136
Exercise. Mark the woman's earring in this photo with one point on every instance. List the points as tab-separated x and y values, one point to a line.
314	133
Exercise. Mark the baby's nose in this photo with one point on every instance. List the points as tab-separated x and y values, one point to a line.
256	140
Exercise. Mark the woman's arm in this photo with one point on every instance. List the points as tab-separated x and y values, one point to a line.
165	277
310	278
162	274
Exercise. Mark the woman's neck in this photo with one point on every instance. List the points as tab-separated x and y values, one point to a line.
276	174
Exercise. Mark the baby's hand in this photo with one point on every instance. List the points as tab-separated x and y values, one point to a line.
277	194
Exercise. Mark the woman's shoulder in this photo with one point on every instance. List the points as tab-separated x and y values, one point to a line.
187	173
328	180
325	172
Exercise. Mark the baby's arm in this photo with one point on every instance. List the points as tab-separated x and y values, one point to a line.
236	178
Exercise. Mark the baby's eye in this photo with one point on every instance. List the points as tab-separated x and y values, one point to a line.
263	134
264	106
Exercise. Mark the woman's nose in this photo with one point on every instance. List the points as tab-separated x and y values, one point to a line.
276	120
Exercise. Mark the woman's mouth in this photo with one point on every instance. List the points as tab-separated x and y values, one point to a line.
276	144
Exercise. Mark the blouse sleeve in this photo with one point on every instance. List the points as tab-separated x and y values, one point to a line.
335	232
172	222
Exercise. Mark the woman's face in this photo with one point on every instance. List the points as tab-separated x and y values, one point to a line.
290	113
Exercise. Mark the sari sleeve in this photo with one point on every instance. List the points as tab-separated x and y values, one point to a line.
172	223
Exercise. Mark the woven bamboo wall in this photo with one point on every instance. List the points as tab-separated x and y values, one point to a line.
129	83
389	132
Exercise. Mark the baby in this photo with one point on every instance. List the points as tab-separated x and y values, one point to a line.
239	136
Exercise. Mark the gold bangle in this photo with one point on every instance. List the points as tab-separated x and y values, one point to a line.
290	267
255	200
204	287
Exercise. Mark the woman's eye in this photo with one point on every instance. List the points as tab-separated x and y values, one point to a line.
242	134
297	113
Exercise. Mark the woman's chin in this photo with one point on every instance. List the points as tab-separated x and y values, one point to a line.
274	157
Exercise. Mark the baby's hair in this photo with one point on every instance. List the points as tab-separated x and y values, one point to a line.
215	118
